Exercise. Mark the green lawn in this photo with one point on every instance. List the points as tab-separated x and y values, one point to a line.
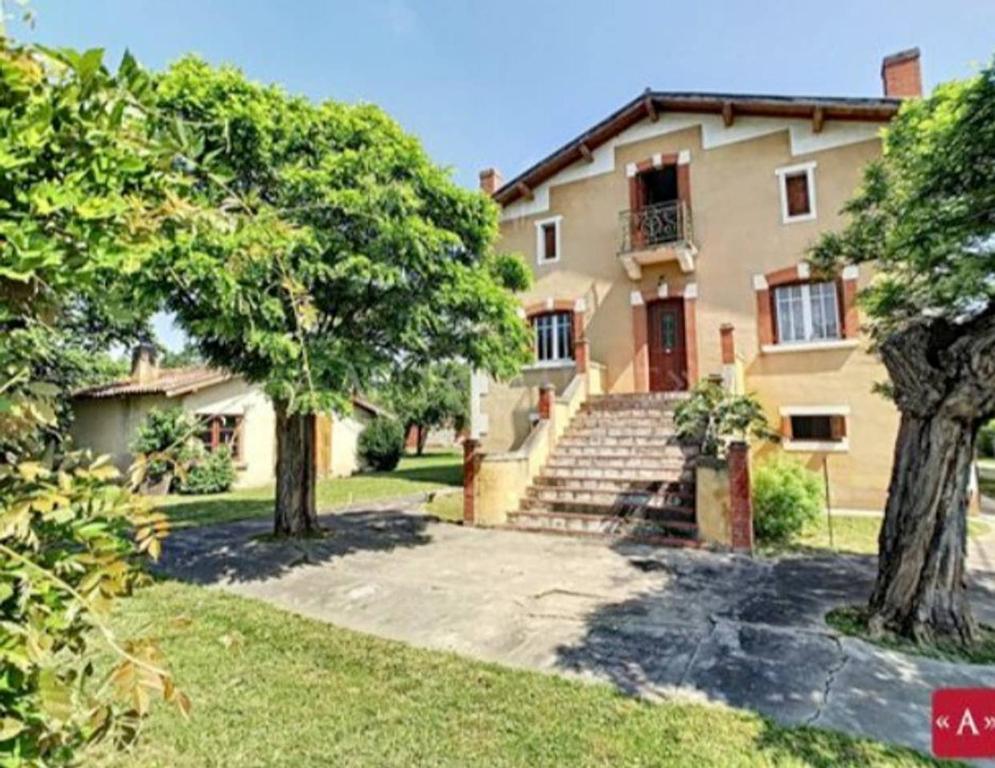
852	534
415	474
273	689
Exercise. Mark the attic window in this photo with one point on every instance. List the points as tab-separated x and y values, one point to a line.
797	184
548	240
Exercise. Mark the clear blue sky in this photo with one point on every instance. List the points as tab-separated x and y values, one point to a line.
503	83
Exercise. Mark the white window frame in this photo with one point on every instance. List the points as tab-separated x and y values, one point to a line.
817	446
541	241
782	175
558	358
807	325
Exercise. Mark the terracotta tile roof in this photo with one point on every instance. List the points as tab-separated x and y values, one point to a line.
650	103
169	381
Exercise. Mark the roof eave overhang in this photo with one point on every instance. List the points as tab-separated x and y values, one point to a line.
651	105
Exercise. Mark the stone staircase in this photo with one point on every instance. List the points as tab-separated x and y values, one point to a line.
617	471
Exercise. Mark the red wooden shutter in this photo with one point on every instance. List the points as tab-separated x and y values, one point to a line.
797	191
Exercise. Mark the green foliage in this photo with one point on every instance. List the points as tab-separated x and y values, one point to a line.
212	472
986	441
188	357
432	396
381	444
334	249
926	212
70	542
85	198
162	442
786	496
712	417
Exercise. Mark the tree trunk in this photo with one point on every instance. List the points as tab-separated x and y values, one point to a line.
296	514
942	377
422	439
921	585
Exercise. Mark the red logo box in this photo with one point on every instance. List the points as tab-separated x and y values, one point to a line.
964	722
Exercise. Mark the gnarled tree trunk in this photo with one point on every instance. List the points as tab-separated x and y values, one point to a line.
944	385
296	514
920	590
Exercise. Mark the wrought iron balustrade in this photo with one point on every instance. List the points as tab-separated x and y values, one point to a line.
654	225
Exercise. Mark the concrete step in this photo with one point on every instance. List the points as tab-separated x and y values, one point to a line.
654	472
682	520
634	502
646	432
674	489
641	401
618	448
605	461
546	521
609	419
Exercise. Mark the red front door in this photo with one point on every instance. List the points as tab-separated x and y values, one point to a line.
668	359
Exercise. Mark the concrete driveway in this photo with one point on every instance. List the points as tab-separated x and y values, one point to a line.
652	622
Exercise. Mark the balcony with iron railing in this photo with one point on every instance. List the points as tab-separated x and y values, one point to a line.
655	234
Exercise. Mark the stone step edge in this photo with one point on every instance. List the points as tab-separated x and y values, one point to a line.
630	538
543	510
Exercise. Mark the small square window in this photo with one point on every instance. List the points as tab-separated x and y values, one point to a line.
548	240
797	185
796	190
807	428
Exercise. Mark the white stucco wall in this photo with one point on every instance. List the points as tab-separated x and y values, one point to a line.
237	398
345	436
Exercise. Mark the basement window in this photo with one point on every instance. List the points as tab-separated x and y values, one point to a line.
548	240
797	184
816	429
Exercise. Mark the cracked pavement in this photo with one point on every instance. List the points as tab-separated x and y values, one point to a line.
653	622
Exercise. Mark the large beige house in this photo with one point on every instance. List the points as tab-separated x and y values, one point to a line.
668	244
232	412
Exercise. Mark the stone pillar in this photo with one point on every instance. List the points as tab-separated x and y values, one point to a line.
547	401
741	504
469	480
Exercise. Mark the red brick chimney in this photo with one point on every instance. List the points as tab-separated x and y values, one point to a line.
490	181
900	74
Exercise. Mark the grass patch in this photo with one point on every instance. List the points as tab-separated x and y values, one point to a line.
852	620
852	534
274	689
446	506
415	474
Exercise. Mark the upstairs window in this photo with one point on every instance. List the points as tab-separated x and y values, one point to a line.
548	240
797	192
807	312
222	430
553	337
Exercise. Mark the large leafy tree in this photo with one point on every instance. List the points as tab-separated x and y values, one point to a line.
85	188
346	254
430	397
925	216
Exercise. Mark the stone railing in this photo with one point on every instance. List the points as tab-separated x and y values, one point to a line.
495	483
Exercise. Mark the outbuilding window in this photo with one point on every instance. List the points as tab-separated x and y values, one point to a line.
222	430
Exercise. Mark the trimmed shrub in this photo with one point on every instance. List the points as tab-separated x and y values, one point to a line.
786	496
381	444
162	441
212	473
986	441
